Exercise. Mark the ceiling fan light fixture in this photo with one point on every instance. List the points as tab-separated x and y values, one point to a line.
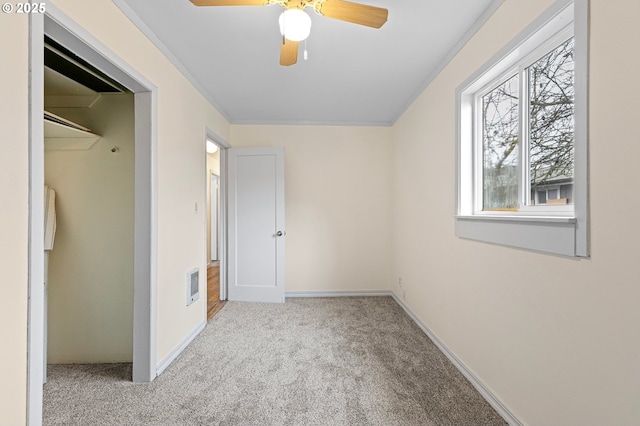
295	24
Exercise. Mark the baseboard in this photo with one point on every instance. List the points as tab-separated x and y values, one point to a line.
178	349
487	394
358	293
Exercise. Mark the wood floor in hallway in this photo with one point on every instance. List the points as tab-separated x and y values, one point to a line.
214	304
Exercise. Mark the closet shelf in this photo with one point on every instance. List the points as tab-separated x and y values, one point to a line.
62	134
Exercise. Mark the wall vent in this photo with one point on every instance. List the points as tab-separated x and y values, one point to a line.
193	286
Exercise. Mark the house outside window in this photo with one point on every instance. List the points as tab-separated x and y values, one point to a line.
522	139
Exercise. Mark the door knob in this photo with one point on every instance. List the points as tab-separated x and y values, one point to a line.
280	233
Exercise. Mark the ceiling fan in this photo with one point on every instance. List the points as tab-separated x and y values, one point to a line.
295	24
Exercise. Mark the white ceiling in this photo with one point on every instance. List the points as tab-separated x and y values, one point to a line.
354	74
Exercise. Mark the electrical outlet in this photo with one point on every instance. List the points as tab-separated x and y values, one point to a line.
400	282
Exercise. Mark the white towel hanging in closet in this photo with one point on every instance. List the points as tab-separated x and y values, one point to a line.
49	217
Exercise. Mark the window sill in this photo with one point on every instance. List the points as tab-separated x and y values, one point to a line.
519	218
546	234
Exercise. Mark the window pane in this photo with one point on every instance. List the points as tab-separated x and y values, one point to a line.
542	197
551	113
500	146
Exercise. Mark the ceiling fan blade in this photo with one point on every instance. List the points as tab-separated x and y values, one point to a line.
356	13
289	52
229	2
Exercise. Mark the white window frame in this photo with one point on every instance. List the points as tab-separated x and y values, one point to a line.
555	229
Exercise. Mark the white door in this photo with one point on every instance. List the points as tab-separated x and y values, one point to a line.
256	224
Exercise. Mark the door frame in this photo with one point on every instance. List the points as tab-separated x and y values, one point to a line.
60	27
223	145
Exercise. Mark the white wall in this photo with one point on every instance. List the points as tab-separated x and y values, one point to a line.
14	214
91	267
557	339
337	204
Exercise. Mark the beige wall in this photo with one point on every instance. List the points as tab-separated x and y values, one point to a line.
14	213
557	339
90	283
337	204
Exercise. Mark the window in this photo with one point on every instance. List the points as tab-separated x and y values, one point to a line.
525	130
522	139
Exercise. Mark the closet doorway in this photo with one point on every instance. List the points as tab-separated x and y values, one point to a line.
89	143
61	29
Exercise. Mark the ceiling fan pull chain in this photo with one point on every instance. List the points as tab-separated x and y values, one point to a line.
305	50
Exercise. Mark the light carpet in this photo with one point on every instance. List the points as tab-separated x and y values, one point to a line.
316	361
